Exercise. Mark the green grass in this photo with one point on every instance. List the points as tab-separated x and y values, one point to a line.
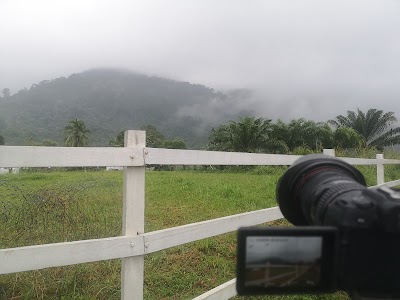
64	206
41	207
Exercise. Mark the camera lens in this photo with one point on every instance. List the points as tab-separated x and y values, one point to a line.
313	183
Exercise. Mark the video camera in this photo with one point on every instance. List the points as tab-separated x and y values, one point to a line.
353	243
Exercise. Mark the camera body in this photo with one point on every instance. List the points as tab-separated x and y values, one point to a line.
351	243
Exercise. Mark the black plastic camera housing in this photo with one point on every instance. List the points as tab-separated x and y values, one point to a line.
321	193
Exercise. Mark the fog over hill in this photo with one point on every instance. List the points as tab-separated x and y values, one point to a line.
310	58
110	100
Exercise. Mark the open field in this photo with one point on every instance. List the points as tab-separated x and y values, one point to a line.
47	207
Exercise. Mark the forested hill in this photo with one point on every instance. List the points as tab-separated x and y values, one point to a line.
109	101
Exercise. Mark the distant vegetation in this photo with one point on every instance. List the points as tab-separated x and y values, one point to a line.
110	101
250	134
154	139
76	134
374	127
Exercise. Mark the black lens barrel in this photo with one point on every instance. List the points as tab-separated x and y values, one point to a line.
311	184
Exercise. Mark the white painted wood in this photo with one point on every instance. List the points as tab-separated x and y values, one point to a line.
358	161
162	239
132	271
197	157
221	292
62	254
26	156
388	184
380	172
391	161
368	161
329	152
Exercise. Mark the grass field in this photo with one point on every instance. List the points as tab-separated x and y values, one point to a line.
48	207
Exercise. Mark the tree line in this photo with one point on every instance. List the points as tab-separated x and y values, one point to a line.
76	134
356	129
250	134
154	139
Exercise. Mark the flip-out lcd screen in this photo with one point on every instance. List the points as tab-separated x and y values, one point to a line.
286	260
290	261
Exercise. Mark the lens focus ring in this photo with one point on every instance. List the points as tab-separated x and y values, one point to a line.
327	193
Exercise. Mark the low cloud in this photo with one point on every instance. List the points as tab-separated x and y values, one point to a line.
302	58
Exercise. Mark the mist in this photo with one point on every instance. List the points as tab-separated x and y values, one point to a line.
302	58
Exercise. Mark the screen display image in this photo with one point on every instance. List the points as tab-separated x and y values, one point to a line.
281	262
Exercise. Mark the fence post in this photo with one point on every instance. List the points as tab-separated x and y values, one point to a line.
380	171
330	152
132	270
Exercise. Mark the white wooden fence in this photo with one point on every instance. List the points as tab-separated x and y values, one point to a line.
134	244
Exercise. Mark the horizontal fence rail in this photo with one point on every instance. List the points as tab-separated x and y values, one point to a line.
388	184
158	156
30	156
69	253
62	254
360	161
134	243
224	291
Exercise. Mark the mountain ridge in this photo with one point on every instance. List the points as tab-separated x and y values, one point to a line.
112	100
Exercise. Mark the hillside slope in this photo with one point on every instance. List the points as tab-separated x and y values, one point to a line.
109	101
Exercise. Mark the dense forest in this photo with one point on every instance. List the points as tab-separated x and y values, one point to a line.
109	101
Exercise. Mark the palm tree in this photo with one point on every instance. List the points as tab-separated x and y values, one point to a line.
375	126
302	133
347	138
247	135
219	139
76	134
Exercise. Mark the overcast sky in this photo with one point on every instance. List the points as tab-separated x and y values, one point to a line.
306	58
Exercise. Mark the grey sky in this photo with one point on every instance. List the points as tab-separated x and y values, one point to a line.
307	58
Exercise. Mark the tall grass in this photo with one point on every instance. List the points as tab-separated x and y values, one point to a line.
42	208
